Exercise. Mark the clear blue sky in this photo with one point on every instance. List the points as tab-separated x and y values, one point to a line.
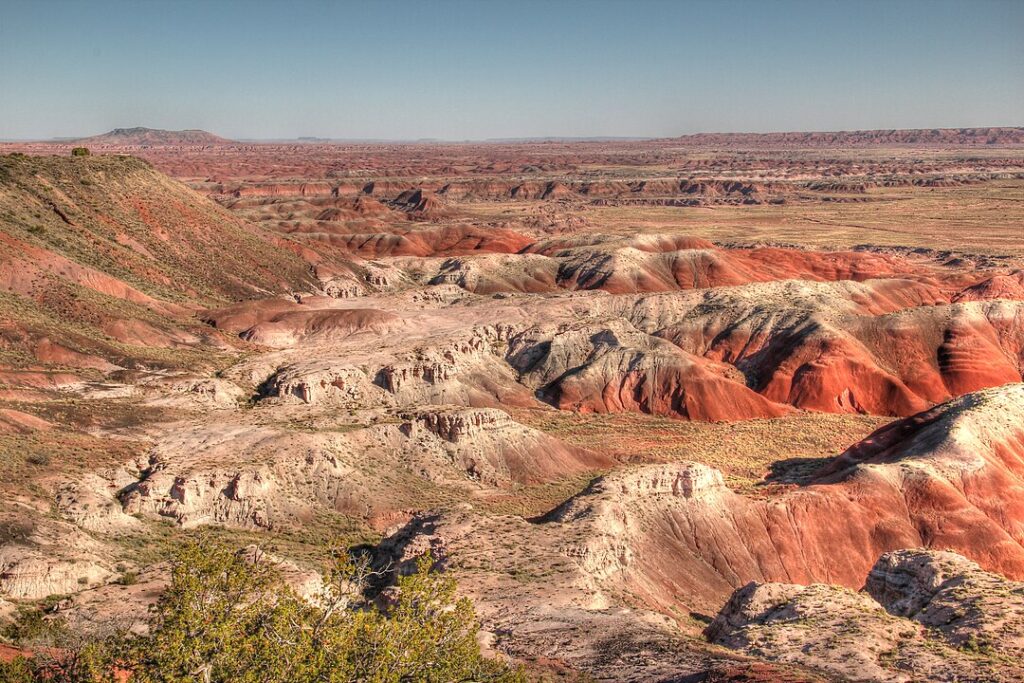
487	68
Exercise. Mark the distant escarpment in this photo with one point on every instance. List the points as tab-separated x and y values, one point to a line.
151	137
858	138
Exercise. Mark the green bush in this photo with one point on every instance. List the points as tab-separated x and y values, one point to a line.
226	617
80	152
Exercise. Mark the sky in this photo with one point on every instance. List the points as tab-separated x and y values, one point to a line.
478	69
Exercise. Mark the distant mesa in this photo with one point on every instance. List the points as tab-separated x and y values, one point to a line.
152	137
860	138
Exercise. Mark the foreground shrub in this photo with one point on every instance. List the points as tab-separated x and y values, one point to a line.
231	617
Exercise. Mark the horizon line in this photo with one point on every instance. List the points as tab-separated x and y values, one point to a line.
502	139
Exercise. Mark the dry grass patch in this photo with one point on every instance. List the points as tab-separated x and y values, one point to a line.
745	451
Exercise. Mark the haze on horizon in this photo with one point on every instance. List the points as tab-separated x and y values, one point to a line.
460	70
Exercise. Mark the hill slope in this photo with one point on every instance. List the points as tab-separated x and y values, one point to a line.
97	251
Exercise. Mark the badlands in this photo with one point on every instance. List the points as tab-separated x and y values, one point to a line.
711	408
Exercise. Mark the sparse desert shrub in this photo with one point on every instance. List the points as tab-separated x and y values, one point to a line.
975	645
128	578
40	459
28	625
80	152
18	670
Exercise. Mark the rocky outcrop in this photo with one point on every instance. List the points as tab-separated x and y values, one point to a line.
495	273
234	498
495	450
326	380
465	368
91	501
468	370
27	574
319	326
926	615
52	558
974	610
195	392
227	472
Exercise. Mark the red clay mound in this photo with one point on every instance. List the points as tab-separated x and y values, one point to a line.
420	204
16	422
657	263
686	388
618	369
241	316
102	257
26	268
119	217
820	354
665	263
283	323
883	347
996	287
358	208
950	478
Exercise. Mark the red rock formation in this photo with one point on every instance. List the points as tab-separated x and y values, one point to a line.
421	204
996	287
947	478
618	369
906	354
